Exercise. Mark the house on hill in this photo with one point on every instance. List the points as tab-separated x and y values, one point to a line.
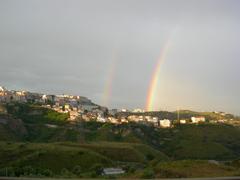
113	171
2	88
165	123
197	120
183	121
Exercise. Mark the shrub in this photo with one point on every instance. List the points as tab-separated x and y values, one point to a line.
28	171
148	174
168	173
66	173
18	171
3	172
129	169
77	170
150	157
47	173
98	169
7	171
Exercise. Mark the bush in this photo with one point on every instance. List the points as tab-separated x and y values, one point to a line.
148	174
66	173
93	174
18	172
98	169
77	170
3	172
168	173
28	171
150	157
7	171
129	169
47	173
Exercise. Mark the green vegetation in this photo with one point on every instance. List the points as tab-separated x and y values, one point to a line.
206	141
183	114
72	158
35	114
39	142
191	169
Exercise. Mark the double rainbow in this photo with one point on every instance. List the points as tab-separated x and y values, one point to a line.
152	94
151	102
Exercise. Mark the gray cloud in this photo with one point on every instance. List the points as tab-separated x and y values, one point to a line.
67	46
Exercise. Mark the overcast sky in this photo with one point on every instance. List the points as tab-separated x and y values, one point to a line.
71	46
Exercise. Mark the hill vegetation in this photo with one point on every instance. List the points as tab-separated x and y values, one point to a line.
36	141
57	157
183	114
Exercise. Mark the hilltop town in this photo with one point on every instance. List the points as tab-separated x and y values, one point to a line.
82	108
71	136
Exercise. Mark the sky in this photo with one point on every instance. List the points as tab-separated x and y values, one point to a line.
107	51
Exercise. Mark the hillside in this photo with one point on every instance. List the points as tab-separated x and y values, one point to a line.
189	169
56	157
11	129
36	124
183	114
85	160
43	141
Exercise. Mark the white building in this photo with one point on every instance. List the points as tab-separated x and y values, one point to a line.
73	115
113	120
141	118
112	171
124	120
183	121
148	118
101	119
132	118
196	120
3	89
138	111
154	121
165	123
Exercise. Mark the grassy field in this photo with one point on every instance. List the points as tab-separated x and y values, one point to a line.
204	141
59	156
63	158
193	169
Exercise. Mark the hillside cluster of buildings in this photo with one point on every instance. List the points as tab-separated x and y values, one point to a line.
74	105
163	123
79	107
25	96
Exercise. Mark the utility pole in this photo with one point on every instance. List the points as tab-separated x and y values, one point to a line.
80	128
178	115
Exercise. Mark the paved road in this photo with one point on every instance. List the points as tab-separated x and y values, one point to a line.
217	178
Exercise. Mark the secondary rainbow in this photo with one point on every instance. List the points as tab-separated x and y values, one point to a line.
154	83
109	84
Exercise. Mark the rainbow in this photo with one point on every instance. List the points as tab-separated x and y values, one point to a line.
109	84
154	83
